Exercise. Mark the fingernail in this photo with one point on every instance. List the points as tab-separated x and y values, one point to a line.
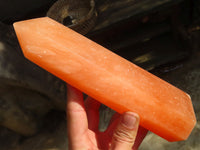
129	120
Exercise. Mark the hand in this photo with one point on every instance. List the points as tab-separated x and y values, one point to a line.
83	121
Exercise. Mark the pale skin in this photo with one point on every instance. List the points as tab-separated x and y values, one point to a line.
123	132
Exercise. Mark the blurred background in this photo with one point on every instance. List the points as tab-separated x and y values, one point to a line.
161	36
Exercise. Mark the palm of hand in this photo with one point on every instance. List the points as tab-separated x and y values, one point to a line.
83	121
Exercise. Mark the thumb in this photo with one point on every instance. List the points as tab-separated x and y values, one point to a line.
125	132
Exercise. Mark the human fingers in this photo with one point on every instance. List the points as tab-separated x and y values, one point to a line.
76	116
92	109
112	125
142	132
125	132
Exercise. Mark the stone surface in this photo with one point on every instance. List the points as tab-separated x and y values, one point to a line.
12	10
187	78
27	92
53	134
127	9
33	93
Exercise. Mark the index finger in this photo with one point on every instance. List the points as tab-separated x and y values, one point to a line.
76	115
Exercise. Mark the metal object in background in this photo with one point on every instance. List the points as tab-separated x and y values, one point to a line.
79	15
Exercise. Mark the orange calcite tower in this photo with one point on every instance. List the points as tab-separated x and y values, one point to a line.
164	109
